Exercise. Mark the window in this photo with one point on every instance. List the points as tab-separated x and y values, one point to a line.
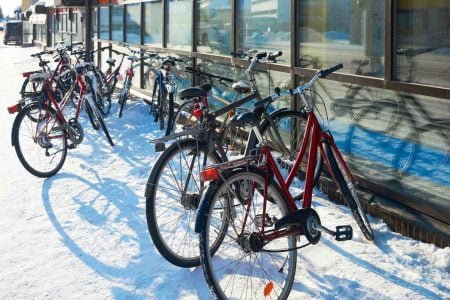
179	24
328	36
94	23
265	25
104	23
117	23
214	26
133	23
422	39
391	139
153	23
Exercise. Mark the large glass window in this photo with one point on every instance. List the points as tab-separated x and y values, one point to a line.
133	23
179	33
153	22
214	26
117	23
350	32
391	138
104	23
422	40
265	25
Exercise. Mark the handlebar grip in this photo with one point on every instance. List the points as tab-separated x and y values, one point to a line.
326	72
261	55
273	56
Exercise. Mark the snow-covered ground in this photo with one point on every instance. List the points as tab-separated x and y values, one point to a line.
83	233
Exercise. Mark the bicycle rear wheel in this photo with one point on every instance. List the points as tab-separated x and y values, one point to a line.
172	197
41	145
183	118
103	126
245	266
348	190
170	109
123	95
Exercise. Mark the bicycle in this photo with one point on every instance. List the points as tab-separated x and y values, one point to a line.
248	218
174	188
164	90
46	138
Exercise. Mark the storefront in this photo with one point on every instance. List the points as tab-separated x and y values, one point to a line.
388	108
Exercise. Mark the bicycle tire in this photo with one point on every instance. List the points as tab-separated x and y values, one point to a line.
162	108
60	154
104	128
170	113
161	188
251	268
284	154
154	106
349	193
123	96
92	117
183	118
104	101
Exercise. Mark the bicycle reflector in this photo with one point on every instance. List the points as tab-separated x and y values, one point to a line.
209	174
268	289
13	109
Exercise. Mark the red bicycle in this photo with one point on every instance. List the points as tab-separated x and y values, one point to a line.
249	223
41	142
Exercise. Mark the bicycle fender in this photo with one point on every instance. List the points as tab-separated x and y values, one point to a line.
204	204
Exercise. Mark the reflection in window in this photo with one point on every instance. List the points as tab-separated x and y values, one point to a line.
348	31
179	24
117	23
392	138
104	23
422	38
133	23
153	20
265	25
214	26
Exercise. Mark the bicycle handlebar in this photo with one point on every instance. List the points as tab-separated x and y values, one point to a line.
299	90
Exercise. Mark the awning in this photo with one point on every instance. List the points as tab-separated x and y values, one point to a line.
38	19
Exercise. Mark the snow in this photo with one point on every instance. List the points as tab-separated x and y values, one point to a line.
82	233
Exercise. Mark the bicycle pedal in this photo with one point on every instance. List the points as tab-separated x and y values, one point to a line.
344	233
71	146
160	147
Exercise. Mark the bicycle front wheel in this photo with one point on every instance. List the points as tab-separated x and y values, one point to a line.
183	118
103	126
246	266
348	190
41	145
172	198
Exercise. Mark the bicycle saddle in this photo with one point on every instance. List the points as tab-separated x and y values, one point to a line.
192	92
245	119
241	87
111	61
40	76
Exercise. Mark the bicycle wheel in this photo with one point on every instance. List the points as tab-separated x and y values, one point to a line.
30	89
40	146
162	108
245	266
104	97
284	133
92	117
183	118
348	190
123	95
172	197
170	109
103	126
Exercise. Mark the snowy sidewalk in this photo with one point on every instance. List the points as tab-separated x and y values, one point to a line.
83	234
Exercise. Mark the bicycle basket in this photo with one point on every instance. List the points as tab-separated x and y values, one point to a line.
27	66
